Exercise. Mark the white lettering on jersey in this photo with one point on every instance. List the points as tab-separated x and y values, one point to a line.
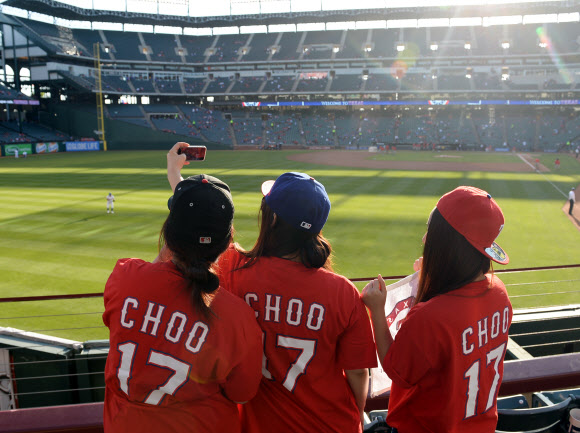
466	332
182	321
312	315
482	333
290	312
275	309
150	318
500	324
495	319
134	305
198	339
506	320
249	297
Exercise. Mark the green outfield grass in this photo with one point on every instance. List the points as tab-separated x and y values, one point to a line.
56	237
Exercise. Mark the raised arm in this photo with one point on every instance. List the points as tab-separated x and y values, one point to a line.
374	295
175	163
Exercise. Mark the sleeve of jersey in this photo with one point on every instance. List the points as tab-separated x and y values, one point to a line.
227	262
356	347
111	289
412	354
243	381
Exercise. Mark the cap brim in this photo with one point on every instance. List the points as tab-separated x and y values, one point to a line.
267	186
497	254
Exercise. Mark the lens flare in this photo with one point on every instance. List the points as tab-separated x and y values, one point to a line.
546	42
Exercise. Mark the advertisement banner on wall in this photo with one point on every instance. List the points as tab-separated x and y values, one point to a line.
46	147
82	146
21	147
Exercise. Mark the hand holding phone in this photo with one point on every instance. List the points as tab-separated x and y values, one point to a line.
193	153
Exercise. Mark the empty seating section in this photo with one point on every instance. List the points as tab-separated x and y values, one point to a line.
283	128
194	85
354	43
453	82
163	47
196	47
161	108
378	128
450	40
288	47
384	43
260	47
248	84
123	111
347	129
520	131
168	86
486	41
320	44
490	133
418	130
125	45
415	42
218	85
248	129
416	82
31	132
381	83
346	83
142	85
174	125
279	84
227	48
210	123
312	85
555	131
115	83
483	81
85	40
318	129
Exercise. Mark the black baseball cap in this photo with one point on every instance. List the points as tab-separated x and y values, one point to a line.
203	209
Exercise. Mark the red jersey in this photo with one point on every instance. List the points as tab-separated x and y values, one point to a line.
170	369
314	326
446	362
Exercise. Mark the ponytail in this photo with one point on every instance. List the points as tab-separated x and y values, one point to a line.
195	262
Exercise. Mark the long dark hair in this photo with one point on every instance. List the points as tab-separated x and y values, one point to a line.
449	260
196	263
280	239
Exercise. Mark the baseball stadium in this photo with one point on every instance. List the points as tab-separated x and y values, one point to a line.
389	104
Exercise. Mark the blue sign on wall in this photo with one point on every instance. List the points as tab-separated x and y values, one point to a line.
82	146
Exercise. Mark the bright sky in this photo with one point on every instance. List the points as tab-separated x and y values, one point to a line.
239	7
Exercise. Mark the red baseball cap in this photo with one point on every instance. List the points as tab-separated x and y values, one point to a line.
475	215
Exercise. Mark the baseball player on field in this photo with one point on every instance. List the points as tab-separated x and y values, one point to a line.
183	351
453	341
110	203
317	336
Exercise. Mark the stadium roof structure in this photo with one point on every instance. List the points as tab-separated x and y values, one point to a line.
75	13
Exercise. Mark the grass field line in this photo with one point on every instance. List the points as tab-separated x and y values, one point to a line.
530	164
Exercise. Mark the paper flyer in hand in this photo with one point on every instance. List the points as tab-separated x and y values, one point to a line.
400	299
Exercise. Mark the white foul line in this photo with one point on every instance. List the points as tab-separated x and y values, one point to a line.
534	168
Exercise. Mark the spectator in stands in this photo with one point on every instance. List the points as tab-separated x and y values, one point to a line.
454	338
183	349
310	316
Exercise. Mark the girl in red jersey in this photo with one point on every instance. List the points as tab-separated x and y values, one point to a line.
446	362
317	337
183	350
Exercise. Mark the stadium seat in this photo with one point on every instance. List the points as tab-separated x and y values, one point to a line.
545	419
513	402
375	422
547	398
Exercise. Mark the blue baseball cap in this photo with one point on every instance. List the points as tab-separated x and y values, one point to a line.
299	199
